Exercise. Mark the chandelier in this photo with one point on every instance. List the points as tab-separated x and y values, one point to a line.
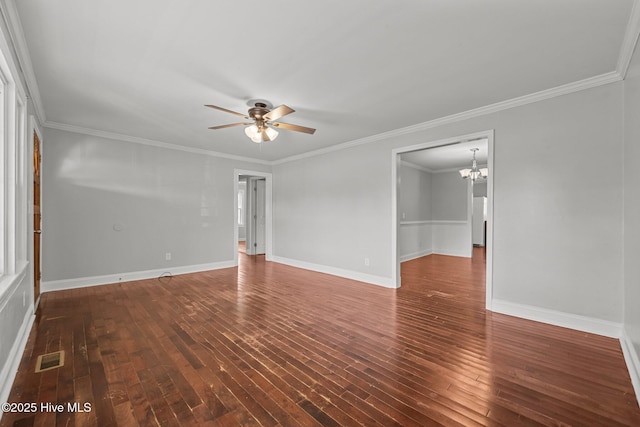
474	173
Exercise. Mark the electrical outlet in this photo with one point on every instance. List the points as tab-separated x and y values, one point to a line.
167	256
366	262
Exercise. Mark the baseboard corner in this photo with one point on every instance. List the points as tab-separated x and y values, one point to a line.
385	282
632	359
558	318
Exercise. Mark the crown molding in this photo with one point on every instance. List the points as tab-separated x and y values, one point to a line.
566	89
630	40
14	26
149	142
624	58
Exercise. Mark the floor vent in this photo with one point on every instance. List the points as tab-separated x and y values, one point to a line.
50	361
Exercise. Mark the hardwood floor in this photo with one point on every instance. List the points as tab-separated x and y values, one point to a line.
269	344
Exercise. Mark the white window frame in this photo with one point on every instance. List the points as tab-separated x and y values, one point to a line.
14	188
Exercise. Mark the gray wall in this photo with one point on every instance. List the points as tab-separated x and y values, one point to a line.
480	189
113	207
632	208
335	208
449	197
414	194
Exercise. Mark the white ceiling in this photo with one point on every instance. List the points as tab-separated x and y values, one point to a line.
351	69
449	157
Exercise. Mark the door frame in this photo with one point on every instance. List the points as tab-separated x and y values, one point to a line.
256	203
395	224
34	129
268	210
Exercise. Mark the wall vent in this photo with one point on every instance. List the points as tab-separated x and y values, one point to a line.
50	361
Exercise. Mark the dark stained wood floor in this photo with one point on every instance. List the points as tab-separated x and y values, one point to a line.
268	344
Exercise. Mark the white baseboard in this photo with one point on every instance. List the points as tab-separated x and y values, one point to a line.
58	285
10	369
347	274
415	255
558	318
633	362
459	253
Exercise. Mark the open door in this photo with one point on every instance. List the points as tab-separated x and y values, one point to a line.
256	216
260	217
37	217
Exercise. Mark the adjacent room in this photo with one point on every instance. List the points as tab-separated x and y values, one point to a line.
385	213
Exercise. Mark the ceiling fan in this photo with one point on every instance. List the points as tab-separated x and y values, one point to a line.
264	118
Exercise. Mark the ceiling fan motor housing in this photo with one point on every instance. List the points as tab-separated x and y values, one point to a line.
258	111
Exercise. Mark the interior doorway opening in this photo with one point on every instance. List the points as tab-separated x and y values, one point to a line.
440	220
255	216
253	228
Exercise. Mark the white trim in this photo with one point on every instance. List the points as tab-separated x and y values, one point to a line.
434	221
268	176
542	95
10	283
10	369
395	225
34	129
427	221
630	40
19	43
416	255
490	224
558	318
347	274
150	142
632	360
82	282
492	108
448	222
459	254
626	50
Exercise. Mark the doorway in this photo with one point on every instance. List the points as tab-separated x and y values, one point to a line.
37	216
255	216
440	227
257	209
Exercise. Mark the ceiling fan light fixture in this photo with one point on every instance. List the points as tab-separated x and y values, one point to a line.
271	133
264	120
255	133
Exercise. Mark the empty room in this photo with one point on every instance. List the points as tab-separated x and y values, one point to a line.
408	213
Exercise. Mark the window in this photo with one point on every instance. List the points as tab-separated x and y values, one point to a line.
13	172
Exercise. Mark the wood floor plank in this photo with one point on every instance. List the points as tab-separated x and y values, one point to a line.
273	345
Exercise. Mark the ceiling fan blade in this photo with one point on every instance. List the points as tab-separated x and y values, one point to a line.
278	112
297	128
227	111
230	125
